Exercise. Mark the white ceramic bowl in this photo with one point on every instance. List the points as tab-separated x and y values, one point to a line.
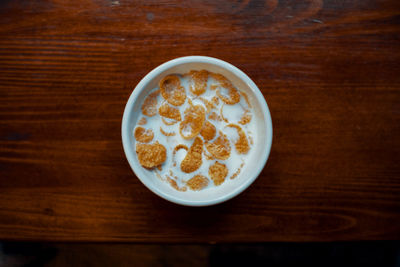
258	154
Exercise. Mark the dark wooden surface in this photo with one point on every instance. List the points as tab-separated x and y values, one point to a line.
330	71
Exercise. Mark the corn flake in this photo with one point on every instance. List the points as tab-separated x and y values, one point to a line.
193	158
169	112
198	81
178	147
208	131
168	122
142	121
218	172
197	183
246	117
151	155
174	185
242	144
172	91
220	147
143	135
167	133
192	122
230	94
149	107
246	98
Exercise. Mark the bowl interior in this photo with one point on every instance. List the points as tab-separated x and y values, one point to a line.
257	155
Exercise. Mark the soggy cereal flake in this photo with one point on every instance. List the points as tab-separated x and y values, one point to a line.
149	107
142	121
193	159
214	116
168	122
151	155
169	112
192	122
198	81
198	182
208	131
219	78
220	147
218	172
237	172
167	133
174	185
213	86
246	118
178	147
221	112
246	98
241	145
172	91
142	135
229	94
232	98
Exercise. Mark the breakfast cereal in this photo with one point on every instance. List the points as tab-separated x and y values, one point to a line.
143	135
193	158
195	130
218	172
198	182
172	91
151	155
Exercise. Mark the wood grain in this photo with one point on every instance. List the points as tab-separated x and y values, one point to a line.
329	71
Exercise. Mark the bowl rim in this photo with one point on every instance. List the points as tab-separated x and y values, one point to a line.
142	86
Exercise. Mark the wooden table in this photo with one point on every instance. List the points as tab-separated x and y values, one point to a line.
329	70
